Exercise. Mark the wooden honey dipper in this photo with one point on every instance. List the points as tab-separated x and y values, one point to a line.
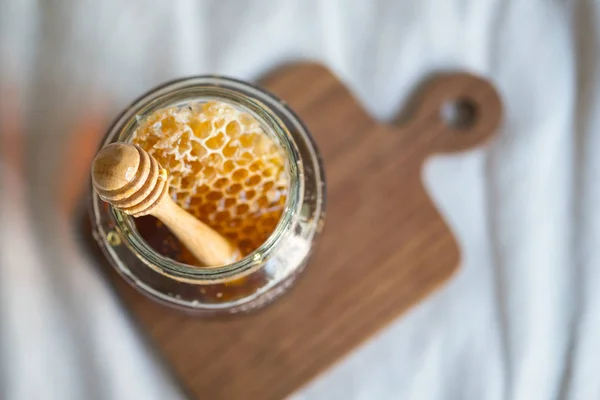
130	179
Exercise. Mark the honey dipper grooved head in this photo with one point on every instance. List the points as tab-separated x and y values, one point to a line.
129	178
115	166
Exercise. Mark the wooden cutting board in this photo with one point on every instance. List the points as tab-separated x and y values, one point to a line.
384	247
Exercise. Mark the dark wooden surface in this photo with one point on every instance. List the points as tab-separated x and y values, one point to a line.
384	246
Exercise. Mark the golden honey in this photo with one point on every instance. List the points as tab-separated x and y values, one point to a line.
223	168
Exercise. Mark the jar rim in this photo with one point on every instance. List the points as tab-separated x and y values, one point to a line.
259	103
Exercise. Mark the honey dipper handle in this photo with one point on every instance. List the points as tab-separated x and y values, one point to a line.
203	242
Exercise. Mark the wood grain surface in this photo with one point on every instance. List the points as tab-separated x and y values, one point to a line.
384	247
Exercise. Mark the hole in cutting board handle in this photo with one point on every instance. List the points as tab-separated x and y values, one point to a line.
460	114
456	112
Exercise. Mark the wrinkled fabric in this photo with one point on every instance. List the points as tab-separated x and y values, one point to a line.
520	320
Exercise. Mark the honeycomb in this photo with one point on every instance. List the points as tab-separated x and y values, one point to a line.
223	168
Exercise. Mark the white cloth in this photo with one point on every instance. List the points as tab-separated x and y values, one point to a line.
520	320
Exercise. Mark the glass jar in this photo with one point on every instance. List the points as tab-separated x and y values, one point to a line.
264	274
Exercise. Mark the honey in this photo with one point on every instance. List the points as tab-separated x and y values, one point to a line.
156	234
223	168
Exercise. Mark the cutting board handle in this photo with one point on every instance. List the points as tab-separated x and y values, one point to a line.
458	111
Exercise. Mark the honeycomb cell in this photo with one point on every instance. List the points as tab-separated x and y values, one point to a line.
180	197
168	124
235	188
219	123
247	141
188	182
215	160
228	167
233	129
214	196
216	142
208	208
262	202
245	158
175	180
256	166
198	150
229	202
249	194
221	183
231	149
240	174
151	142
201	129
196	168
242	209
222	216
196	202
209	174
268	172
202	189
253	180
184	142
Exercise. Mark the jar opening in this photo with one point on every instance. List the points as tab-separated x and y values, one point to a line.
246	98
